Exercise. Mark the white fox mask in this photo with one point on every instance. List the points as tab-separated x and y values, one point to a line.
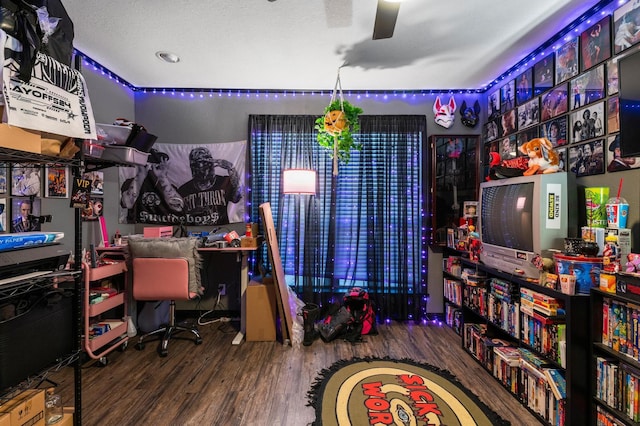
444	113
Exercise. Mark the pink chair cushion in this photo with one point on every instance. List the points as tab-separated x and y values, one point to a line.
160	278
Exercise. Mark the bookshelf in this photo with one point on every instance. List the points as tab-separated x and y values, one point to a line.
494	327
615	370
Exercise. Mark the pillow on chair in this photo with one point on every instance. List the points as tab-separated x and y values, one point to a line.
172	247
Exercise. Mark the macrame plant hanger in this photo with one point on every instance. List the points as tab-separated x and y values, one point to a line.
337	92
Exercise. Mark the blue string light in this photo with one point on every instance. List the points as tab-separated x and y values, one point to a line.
602	8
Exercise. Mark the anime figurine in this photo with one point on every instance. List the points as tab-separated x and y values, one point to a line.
542	157
444	113
470	116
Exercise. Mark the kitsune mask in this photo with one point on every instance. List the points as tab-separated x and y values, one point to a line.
470	116
444	113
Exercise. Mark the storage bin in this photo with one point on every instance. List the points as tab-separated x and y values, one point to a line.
585	269
92	149
112	134
124	154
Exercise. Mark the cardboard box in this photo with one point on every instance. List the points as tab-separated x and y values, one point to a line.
248	242
67	417
18	138
26	408
158	231
261	312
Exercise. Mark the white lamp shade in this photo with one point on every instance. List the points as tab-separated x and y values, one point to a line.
299	181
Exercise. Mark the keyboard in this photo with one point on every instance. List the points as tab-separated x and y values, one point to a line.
23	277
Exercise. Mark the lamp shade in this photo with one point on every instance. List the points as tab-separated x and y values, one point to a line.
299	181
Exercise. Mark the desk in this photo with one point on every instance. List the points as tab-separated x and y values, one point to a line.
243	254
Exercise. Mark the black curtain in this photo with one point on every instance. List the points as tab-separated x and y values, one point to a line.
365	227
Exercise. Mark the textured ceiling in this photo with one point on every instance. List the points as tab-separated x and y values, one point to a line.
300	44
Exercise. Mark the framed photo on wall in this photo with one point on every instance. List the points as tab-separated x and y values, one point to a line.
562	158
57	185
587	87
625	33
3	178
507	96
493	104
555	130
554	103
508	147
492	130
595	44
25	180
524	86
94	210
613	115
587	159
3	215
97	179
529	114
612	76
508	122
615	162
526	136
567	61
25	214
543	72
587	123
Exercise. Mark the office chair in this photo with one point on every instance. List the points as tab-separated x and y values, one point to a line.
163	279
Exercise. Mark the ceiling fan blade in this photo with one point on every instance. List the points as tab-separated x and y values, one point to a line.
386	16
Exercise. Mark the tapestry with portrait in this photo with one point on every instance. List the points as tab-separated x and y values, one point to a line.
186	184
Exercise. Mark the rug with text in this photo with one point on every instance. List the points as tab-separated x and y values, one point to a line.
381	391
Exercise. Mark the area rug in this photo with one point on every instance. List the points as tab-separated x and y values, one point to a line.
370	391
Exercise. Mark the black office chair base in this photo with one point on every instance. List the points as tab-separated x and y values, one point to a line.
168	331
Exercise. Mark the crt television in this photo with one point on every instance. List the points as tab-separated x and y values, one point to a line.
524	217
629	104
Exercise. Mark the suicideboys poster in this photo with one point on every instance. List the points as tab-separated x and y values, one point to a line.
190	184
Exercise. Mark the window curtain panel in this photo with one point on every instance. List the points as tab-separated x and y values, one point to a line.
364	227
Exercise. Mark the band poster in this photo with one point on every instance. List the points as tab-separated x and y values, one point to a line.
186	184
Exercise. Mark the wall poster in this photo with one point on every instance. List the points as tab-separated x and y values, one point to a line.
186	184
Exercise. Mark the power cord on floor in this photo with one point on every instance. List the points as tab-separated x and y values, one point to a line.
201	320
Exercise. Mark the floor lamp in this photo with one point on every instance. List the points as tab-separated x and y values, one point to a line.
303	182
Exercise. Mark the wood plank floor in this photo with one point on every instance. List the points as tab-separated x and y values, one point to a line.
255	383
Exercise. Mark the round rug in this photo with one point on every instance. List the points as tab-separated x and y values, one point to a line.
395	392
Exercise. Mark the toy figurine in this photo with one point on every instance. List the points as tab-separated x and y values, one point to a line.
633	263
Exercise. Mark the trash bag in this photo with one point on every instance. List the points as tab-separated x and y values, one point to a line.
39	26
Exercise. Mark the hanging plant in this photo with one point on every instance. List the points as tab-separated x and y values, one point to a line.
337	126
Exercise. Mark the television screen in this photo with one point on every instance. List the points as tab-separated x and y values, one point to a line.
507	216
629	104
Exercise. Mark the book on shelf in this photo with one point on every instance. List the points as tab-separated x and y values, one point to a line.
557	382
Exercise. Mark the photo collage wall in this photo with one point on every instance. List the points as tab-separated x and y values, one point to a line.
22	187
570	98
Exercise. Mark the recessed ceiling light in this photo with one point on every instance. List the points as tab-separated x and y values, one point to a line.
169	57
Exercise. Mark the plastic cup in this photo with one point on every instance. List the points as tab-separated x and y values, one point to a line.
617	213
596	199
567	283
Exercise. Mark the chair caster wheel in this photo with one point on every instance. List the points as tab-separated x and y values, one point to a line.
103	361
139	346
163	353
198	340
